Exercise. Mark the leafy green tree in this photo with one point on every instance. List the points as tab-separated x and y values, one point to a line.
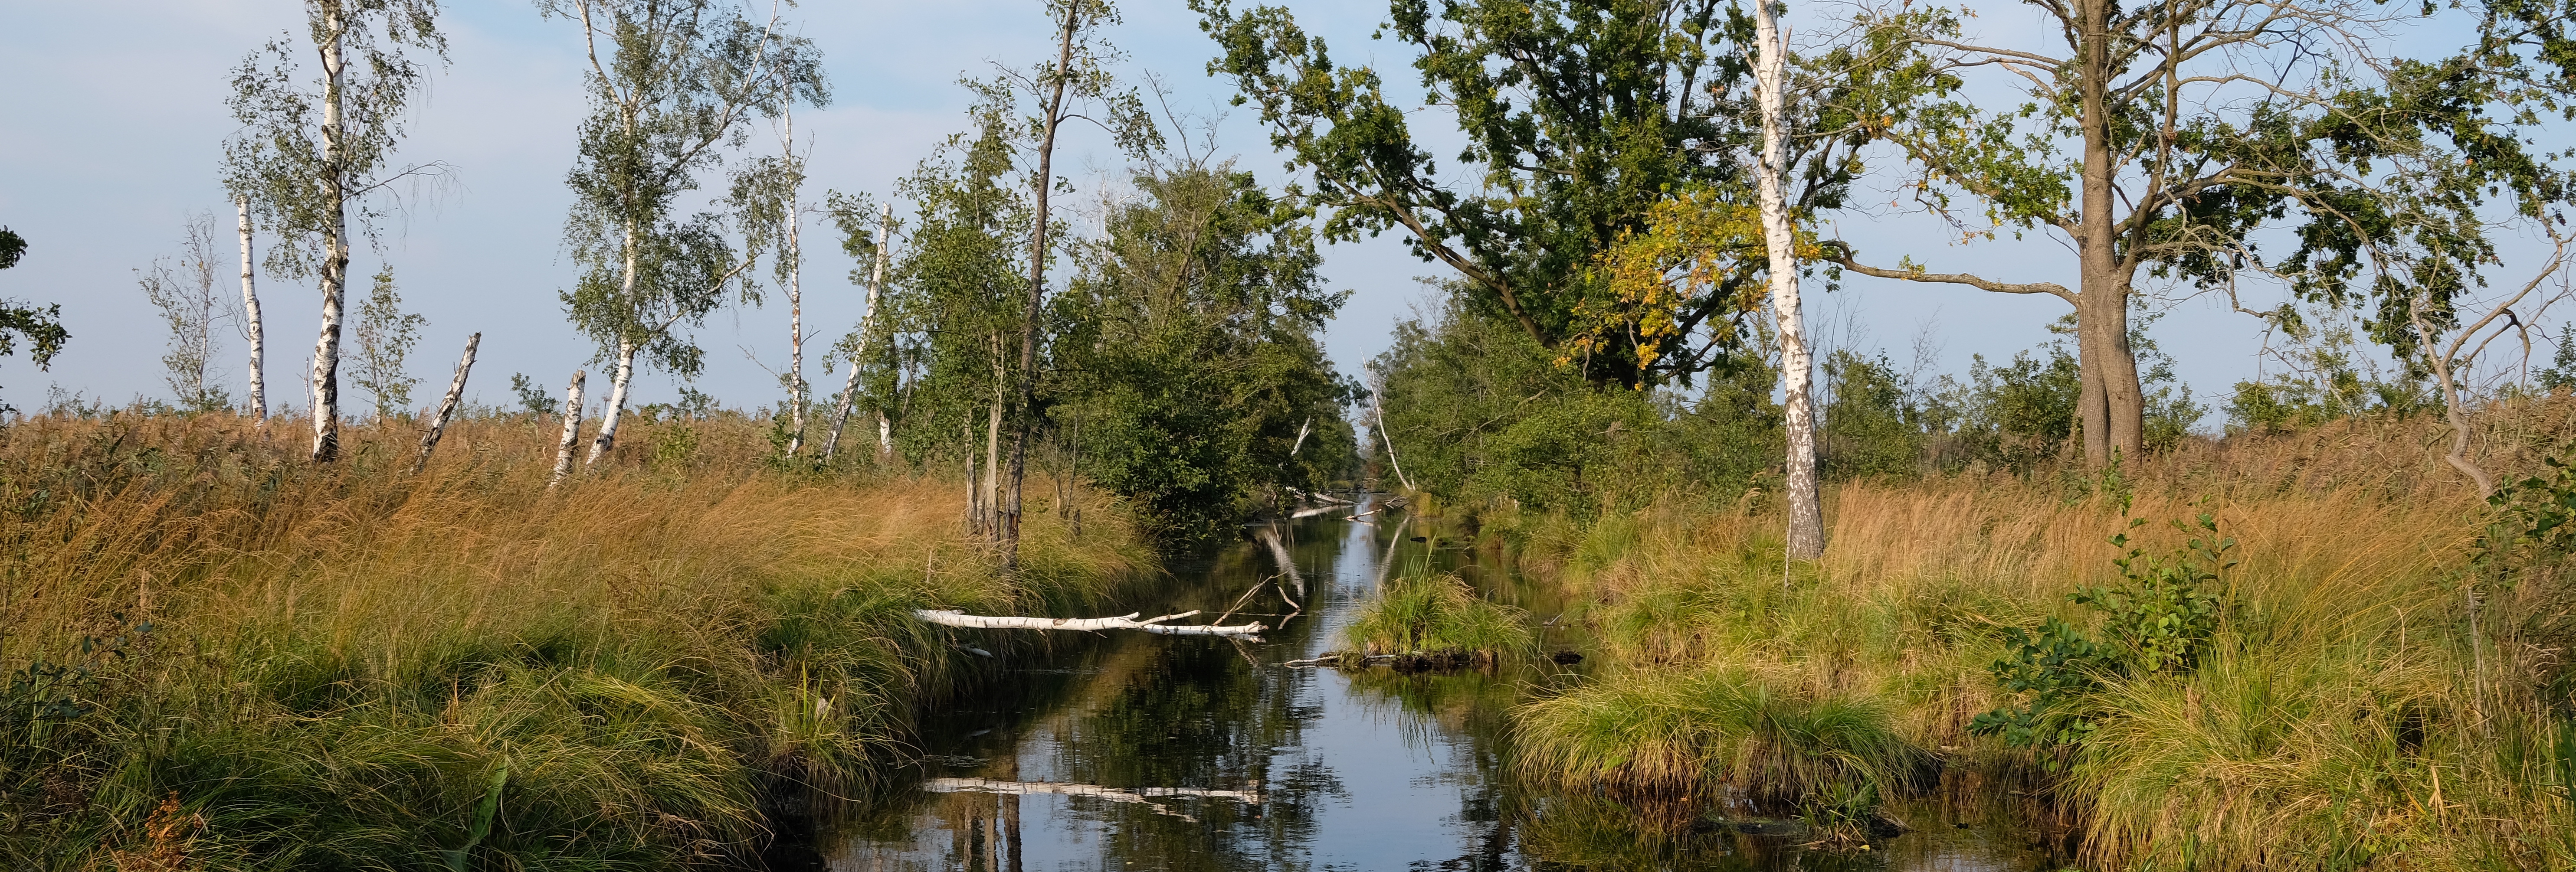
954	299
2159	139
669	97
1581	116
42	329
1190	354
310	152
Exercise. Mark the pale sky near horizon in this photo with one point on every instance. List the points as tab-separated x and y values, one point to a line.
115	126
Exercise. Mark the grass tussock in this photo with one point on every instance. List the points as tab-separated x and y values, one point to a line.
2367	697
1438	613
220	651
1718	732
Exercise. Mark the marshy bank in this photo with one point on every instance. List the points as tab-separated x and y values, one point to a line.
2311	650
221	655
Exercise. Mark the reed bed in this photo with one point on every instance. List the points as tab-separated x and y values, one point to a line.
226	656
2352	710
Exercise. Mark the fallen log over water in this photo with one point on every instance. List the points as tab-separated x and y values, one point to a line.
958	618
1142	795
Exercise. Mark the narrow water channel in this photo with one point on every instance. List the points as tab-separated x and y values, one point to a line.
1140	752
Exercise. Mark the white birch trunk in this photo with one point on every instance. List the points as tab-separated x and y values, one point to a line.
607	439
571	430
447	406
251	321
1380	413
795	256
955	618
885	436
867	331
1779	233
335	256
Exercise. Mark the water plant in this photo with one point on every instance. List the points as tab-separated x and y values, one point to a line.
1438	613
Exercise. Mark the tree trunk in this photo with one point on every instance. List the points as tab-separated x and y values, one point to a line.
885	437
1010	519
335	240
795	332
608	417
867	331
993	447
571	430
974	493
251	321
1779	234
447	406
2111	406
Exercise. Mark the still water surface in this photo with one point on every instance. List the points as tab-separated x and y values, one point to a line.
1143	752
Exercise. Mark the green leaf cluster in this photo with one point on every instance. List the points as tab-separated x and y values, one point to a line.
2160	621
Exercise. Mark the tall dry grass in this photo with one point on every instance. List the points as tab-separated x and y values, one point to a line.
2349	716
354	665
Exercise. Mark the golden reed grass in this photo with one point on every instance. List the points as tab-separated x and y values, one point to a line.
640	650
2349	717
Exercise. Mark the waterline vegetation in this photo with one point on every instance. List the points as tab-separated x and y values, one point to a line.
346	665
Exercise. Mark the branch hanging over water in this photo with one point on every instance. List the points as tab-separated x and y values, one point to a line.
956	618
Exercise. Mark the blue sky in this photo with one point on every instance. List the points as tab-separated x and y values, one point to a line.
115	128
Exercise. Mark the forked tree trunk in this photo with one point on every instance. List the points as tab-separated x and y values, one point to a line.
251	321
867	331
607	439
1779	235
447	406
571	430
335	241
2110	407
1010	515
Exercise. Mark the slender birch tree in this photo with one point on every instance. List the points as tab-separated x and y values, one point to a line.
314	154
850	212
672	84
252	331
767	197
1770	62
385	337
190	306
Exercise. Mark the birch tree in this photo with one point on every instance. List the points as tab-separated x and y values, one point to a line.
671	87
316	153
850	214
385	337
768	198
1579	118
192	309
1770	62
252	330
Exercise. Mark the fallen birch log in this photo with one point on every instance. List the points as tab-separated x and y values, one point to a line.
958	618
1142	795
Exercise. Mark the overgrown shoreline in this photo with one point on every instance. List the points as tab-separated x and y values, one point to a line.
221	655
2313	696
